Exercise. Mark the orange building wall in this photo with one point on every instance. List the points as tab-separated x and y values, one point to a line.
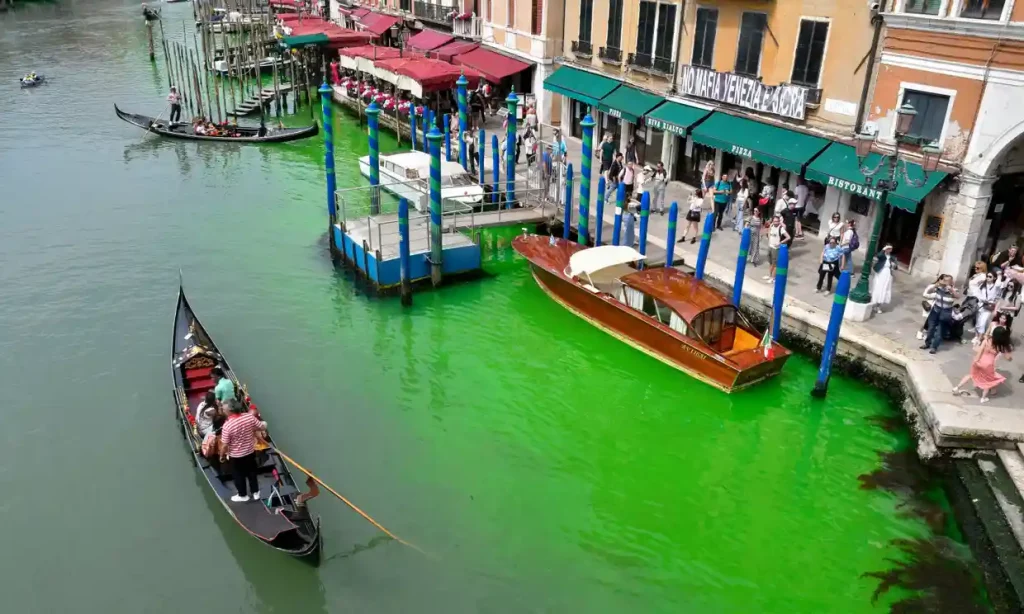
974	50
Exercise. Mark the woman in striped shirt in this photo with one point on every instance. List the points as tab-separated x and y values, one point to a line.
238	442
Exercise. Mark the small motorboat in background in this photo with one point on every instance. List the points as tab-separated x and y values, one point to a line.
32	80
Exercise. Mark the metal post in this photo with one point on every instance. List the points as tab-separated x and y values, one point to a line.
645	212
412	126
862	293
434	145
510	153
588	153
460	86
496	167
670	241
705	245
620	205
403	249
835	324
567	219
599	211
482	145
447	138
426	129
741	268
372	112
332	213
781	268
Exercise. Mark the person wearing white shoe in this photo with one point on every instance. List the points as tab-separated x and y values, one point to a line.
238	442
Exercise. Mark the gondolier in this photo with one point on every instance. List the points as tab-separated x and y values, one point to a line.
175	99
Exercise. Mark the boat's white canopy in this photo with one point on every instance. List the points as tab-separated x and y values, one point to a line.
589	261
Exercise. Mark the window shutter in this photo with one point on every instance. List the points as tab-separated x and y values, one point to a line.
538	16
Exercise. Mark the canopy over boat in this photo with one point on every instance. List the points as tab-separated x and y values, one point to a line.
589	261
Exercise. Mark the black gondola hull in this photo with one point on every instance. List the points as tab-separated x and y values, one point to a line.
247	134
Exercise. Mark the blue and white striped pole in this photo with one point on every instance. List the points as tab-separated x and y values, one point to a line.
460	89
620	206
741	268
481	156
670	245
495	167
588	153
447	138
835	325
599	211
645	212
567	218
403	250
510	146
781	272
705	245
434	144
373	124
325	103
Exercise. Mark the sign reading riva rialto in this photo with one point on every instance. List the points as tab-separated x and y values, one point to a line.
856	188
785	100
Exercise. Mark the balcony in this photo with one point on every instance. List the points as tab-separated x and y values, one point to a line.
582	49
612	55
428	11
468	28
651	63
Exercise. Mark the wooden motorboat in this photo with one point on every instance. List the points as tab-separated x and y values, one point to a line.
241	134
281	517
406	175
663	312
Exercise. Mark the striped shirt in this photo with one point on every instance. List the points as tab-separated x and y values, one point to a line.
239	434
942	297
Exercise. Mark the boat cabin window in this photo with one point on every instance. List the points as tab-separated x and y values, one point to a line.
717	327
412	173
459	180
653	308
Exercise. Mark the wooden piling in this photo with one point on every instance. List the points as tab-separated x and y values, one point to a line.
149	37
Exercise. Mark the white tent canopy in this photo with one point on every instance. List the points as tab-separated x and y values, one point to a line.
589	261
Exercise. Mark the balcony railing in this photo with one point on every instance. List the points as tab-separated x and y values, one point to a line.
651	63
610	54
428	11
468	28
583	49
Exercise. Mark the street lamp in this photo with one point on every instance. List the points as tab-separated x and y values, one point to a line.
887	168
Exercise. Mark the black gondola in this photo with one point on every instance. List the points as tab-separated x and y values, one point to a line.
245	134
280	518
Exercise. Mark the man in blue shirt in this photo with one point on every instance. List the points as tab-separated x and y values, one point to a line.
722	190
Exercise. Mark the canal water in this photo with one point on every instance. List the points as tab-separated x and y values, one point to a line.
544	466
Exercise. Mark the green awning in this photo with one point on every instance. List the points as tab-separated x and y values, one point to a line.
675	118
304	40
579	85
779	147
629	103
838	166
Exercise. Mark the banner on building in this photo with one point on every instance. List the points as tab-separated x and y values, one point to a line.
785	100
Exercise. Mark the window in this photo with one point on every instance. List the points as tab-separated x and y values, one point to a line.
931	114
510	14
748	57
537	16
666	32
982	9
614	24
922	7
704	37
645	30
405	5
586	19
810	52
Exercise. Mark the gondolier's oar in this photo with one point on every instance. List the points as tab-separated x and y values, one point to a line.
349	503
155	120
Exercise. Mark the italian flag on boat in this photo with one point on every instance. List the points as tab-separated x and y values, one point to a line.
766	343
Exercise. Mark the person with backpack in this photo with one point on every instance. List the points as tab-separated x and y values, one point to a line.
850	243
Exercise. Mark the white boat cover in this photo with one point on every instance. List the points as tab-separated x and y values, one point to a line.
594	259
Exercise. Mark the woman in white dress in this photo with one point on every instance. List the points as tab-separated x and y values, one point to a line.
881	281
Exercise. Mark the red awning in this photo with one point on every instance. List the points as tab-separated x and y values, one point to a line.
431	75
429	39
337	36
494	66
452	49
378	24
376	52
359	13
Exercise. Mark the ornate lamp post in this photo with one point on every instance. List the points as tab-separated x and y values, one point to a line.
891	173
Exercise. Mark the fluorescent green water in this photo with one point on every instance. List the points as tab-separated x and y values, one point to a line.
547	467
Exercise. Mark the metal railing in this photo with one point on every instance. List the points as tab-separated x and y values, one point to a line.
431	12
468	28
583	49
610	54
651	63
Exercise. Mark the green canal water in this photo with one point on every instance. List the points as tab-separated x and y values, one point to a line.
545	466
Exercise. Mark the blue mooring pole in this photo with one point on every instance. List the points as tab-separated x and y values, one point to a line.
332	211
741	268
412	127
645	212
781	270
620	206
599	211
403	249
373	124
510	146
705	245
481	156
447	138
567	220
670	244
460	89
495	167
835	324
583	231
434	142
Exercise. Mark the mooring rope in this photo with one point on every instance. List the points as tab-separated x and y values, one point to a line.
349	503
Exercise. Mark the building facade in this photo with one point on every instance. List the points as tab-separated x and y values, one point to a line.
960	63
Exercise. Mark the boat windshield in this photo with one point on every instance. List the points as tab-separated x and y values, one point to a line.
458	181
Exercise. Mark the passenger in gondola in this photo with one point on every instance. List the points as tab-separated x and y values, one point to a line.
238	442
198	127
224	388
206	413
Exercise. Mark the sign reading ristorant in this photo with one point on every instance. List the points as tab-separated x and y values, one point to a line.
856	188
785	100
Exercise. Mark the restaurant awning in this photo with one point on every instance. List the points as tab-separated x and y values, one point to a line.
786	149
377	23
580	85
675	117
452	49
629	103
363	56
305	40
428	39
493	66
360	13
420	75
838	167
